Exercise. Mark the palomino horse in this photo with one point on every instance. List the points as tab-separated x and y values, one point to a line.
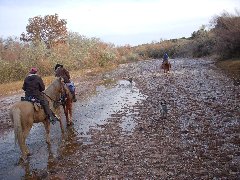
67	103
23	114
166	67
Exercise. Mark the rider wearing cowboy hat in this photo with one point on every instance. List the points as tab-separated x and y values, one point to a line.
60	71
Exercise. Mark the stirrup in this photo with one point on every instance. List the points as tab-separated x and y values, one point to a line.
74	100
53	119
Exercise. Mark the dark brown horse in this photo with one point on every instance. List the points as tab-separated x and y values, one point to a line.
67	103
166	67
23	114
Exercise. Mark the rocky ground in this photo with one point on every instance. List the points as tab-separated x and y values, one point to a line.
199	138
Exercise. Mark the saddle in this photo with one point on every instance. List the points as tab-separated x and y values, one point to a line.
36	102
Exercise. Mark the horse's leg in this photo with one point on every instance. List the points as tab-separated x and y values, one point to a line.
24	149
57	112
25	135
69	109
70	113
65	112
24	154
22	142
47	128
61	125
65	108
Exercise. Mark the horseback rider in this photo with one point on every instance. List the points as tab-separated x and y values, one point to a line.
60	71
33	86
165	58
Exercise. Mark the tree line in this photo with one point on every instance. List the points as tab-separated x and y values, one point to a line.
47	42
220	41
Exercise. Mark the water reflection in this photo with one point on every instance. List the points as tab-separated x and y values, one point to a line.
99	108
71	142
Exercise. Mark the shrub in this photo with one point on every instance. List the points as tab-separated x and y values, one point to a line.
226	29
202	42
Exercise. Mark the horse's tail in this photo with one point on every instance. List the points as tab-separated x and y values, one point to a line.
15	115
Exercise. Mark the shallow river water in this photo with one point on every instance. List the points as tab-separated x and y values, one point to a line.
91	113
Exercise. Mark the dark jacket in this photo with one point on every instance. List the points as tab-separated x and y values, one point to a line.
62	72
33	85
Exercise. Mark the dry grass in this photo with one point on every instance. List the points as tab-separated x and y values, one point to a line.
231	66
16	87
10	88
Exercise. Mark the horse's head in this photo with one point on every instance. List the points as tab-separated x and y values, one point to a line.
56	89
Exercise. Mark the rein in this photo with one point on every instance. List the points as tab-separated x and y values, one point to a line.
54	101
62	98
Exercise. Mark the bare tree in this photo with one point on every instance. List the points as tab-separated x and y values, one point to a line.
49	29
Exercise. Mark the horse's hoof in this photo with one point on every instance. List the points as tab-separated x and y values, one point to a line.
22	160
27	152
70	124
48	141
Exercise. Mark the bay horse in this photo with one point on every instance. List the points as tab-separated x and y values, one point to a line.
67	103
166	67
24	113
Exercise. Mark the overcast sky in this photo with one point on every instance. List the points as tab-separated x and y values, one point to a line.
117	21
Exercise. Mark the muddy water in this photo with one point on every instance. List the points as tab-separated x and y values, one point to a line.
89	114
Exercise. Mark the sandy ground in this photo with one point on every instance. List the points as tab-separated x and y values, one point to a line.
199	139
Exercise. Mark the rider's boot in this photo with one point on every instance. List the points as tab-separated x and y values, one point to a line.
74	96
53	118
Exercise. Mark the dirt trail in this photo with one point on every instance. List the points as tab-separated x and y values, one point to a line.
199	139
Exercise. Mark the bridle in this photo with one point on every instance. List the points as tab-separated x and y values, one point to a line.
62	94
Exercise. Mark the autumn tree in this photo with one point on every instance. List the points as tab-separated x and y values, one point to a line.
49	29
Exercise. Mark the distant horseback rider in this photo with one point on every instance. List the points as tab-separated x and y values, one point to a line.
33	86
165	63
165	58
60	71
